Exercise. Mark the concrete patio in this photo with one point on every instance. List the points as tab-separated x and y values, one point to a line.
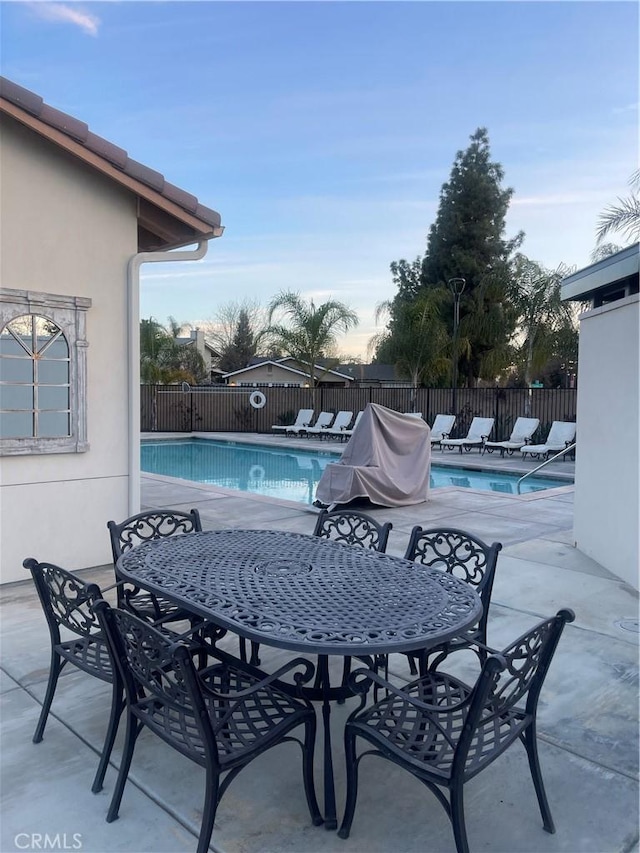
588	720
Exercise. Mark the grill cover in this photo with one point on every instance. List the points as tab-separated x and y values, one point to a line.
387	460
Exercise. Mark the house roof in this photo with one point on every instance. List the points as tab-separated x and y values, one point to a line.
252	367
168	216
207	345
370	372
321	368
280	362
596	278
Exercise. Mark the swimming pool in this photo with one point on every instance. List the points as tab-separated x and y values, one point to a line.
288	474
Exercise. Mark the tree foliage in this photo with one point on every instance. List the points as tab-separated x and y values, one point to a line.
547	326
163	360
467	240
306	332
236	331
624	216
242	347
416	342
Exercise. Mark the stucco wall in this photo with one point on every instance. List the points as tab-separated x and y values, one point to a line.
68	230
607	461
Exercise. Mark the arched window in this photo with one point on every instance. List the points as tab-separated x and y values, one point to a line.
42	373
36	380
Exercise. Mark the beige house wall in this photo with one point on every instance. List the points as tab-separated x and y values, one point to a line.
68	230
608	458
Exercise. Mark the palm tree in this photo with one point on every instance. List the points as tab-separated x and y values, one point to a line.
416	341
545	321
624	216
307	333
163	360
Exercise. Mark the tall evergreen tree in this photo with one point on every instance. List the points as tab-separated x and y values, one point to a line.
467	241
242	347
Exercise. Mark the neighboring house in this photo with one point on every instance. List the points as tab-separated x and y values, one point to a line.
374	375
607	512
79	217
285	372
209	354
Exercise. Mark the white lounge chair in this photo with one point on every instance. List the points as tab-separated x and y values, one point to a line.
479	432
337	428
303	419
347	433
561	435
441	429
324	419
521	434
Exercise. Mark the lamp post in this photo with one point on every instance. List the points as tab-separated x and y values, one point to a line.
456	286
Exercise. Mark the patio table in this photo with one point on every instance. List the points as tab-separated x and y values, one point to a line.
310	595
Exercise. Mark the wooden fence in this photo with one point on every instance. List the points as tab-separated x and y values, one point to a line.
167	408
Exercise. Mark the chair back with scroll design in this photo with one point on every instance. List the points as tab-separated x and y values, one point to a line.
352	528
220	717
460	554
66	601
145	527
445	732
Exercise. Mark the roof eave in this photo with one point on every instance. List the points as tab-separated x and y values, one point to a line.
162	224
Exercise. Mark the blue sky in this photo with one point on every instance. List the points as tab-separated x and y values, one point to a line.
323	131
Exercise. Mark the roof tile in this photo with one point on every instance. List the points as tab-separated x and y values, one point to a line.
143	173
74	128
23	98
180	197
104	148
210	216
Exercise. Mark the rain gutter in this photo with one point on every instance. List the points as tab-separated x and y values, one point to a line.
133	349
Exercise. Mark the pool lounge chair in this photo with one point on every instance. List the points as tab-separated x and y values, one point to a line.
324	419
561	435
337	428
479	432
304	418
441	429
521	434
347	433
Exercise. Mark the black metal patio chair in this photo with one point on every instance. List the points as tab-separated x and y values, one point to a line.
66	600
445	732
145	527
467	557
359	529
352	528
221	717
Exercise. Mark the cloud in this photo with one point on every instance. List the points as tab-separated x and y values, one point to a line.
627	108
60	12
554	199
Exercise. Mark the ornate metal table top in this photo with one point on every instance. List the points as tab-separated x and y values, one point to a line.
303	593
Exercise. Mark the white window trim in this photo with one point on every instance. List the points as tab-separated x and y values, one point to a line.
70	314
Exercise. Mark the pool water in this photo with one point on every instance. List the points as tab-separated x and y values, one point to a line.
291	475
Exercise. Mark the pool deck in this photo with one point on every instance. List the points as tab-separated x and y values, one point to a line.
588	718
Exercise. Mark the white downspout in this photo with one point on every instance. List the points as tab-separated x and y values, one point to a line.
133	349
